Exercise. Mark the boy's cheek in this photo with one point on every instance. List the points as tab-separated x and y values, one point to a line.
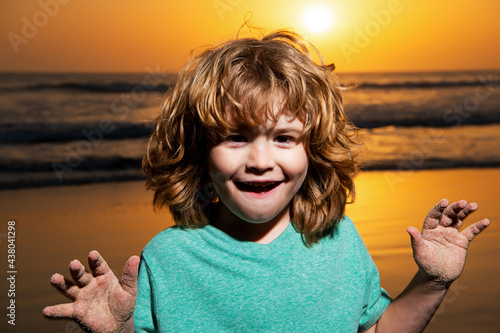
218	179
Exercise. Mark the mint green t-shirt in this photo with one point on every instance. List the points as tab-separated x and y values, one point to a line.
203	280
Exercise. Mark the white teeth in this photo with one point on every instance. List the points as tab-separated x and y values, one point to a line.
260	184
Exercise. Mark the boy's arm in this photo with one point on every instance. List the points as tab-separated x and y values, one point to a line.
440	255
101	303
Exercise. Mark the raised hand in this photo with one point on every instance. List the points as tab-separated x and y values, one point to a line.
440	249
101	303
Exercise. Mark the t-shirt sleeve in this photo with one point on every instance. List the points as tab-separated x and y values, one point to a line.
376	298
144	316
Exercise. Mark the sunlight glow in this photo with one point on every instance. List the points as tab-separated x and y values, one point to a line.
317	19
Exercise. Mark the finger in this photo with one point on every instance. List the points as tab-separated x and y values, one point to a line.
432	219
130	273
462	215
97	264
65	310
475	229
78	273
449	215
416	239
67	288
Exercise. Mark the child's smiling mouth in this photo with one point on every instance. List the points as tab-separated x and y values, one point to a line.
258	186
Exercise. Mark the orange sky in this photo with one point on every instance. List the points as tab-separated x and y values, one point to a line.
131	35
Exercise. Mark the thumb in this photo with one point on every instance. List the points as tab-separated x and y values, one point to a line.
416	239
130	273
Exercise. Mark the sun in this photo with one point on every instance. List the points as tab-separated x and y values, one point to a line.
317	18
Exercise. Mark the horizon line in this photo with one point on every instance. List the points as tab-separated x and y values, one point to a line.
176	72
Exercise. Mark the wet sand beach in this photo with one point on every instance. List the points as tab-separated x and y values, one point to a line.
56	224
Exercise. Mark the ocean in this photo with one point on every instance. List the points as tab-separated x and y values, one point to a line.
64	128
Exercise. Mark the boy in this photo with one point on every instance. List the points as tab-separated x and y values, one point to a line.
255	158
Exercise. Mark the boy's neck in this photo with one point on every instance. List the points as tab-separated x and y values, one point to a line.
263	233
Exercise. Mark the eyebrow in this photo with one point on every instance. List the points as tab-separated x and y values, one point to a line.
279	129
290	126
287	129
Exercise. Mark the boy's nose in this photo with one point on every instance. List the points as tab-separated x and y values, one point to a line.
260	157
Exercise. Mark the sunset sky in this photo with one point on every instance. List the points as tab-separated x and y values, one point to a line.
358	36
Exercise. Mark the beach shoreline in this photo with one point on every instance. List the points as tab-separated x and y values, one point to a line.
56	224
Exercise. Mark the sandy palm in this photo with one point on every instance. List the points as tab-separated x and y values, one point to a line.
101	303
441	248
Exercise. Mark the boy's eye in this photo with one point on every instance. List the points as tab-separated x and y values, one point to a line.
236	138
284	139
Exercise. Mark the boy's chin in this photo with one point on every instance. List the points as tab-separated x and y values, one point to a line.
260	218
252	215
251	221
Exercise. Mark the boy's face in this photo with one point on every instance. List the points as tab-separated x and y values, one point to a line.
257	170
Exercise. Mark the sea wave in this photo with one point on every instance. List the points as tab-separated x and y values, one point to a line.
22	174
57	132
116	87
428	84
428	164
437	122
89	163
45	179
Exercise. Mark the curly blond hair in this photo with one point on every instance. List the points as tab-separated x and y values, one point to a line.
251	75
